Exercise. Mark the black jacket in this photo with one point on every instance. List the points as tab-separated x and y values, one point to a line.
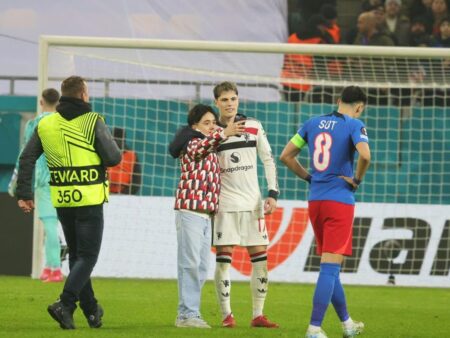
181	140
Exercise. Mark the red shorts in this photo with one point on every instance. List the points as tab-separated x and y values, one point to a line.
333	226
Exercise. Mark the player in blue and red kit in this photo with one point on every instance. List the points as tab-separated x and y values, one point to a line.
332	141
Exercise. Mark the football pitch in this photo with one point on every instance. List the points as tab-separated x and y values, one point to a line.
147	308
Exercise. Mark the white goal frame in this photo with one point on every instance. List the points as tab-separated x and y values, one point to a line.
47	41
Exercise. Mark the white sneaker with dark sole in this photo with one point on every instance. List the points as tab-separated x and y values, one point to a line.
192	322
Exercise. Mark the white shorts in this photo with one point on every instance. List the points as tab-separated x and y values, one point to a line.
244	228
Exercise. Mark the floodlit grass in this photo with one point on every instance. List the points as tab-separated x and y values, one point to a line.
147	308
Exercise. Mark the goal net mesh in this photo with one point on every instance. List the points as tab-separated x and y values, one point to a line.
148	92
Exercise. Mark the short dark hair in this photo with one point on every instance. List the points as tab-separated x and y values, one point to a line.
328	11
224	87
353	94
73	86
197	112
50	96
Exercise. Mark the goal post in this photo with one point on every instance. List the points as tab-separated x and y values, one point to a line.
147	86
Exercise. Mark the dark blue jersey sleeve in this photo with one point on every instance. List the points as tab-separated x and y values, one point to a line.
303	131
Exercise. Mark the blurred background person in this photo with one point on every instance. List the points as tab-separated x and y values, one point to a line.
439	10
329	13
420	30
396	23
442	39
126	177
299	66
46	212
421	8
368	32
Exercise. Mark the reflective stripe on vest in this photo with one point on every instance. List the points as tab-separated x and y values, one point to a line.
77	177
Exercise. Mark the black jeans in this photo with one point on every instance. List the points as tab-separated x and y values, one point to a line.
83	229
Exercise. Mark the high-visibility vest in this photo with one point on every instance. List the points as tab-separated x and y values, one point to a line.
121	175
335	33
77	176
298	66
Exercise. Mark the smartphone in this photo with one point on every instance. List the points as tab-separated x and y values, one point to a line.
238	118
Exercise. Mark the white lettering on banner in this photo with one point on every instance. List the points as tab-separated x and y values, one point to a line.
403	239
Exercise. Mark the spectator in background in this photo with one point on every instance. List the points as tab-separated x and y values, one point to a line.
298	66
420	32
368	32
45	210
443	38
439	10
379	16
368	5
330	14
395	23
421	8
311	7
126	177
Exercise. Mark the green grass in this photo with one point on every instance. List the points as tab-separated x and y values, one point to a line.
147	308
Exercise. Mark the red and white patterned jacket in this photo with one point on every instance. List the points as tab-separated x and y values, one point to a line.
199	185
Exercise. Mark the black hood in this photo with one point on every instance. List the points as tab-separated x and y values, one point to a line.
71	107
181	140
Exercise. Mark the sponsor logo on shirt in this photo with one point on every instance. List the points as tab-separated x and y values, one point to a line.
237	168
235	157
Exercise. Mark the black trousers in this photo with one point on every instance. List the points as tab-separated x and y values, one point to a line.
83	229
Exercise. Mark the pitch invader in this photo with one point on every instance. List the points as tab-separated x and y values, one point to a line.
332	141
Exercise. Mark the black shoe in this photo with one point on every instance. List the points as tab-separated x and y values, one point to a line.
62	314
95	319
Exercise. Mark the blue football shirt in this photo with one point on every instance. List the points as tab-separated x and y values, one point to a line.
332	143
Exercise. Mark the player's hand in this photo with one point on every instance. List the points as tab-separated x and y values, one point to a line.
26	205
235	128
350	181
270	205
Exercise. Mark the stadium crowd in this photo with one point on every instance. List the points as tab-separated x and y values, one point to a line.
416	23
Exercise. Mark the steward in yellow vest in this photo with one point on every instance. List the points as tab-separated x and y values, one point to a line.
78	147
77	175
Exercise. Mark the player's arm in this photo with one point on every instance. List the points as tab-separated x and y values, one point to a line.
265	154
361	166
200	148
363	160
361	141
289	157
29	126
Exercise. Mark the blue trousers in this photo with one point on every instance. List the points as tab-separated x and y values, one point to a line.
194	244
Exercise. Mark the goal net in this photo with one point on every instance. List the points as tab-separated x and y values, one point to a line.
146	87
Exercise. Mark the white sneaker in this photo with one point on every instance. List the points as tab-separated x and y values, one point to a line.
315	334
192	322
354	330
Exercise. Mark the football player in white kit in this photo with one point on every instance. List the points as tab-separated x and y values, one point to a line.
240	219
